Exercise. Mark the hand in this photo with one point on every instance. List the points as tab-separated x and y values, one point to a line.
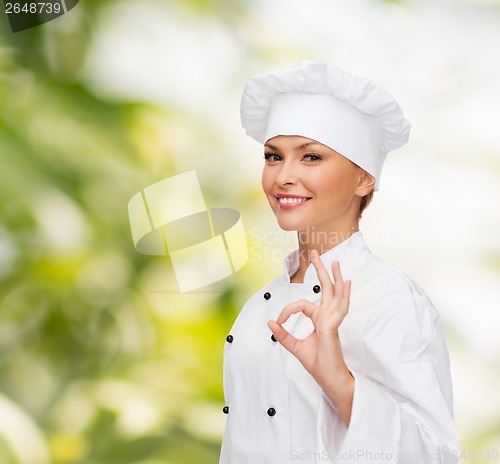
320	351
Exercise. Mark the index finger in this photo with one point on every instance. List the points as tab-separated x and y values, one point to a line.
324	278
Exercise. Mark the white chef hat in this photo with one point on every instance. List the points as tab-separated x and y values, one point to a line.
347	113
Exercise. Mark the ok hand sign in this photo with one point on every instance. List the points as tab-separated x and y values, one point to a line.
320	352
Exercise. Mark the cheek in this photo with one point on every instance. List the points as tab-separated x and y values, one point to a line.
325	182
332	185
266	181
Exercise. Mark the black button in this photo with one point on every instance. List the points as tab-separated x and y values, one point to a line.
229	338
267	295
225	409
273	338
271	412
316	289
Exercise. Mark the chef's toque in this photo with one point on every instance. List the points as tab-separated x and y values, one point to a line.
350	114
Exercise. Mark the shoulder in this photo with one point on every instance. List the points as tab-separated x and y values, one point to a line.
399	317
390	302
385	283
385	276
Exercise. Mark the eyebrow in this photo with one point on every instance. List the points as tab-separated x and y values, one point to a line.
297	148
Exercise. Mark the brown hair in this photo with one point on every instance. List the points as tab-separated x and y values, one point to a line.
365	201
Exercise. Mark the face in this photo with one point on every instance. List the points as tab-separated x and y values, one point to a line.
311	187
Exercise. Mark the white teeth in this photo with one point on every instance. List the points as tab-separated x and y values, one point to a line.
291	200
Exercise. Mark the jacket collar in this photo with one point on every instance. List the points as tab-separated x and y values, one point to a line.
350	250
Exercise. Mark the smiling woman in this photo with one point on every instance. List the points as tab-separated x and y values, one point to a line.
273	156
330	189
342	358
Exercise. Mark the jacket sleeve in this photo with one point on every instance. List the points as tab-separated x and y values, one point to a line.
402	404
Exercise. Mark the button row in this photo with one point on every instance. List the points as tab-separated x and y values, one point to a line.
270	412
267	296
230	338
316	289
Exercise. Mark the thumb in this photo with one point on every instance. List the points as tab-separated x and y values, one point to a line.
285	338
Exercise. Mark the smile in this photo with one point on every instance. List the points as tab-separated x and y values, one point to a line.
291	202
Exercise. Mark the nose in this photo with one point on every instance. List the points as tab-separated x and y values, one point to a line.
287	173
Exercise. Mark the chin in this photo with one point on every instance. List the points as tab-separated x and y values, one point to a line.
287	226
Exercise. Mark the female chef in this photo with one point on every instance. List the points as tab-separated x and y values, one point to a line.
342	358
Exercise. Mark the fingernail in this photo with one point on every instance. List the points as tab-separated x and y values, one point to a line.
314	255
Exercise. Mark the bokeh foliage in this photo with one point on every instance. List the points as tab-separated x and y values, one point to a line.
88	367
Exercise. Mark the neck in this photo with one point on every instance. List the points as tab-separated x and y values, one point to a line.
321	240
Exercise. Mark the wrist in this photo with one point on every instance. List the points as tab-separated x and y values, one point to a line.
341	380
341	394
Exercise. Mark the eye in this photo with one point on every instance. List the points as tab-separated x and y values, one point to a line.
272	157
313	157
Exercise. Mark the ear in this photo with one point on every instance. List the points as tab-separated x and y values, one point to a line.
366	184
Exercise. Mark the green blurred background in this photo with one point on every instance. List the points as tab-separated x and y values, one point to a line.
102	360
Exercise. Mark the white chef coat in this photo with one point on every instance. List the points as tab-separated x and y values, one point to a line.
393	345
